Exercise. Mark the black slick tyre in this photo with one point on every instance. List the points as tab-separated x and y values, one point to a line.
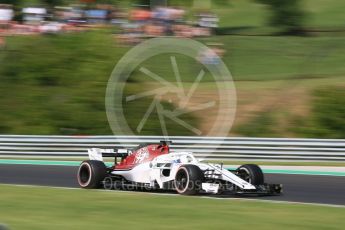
188	180
91	173
251	173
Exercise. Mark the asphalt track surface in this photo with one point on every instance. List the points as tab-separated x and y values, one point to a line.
297	188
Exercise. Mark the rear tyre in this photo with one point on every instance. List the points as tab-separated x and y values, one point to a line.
91	173
188	179
251	173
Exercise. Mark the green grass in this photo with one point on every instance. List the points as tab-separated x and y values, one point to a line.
304	108
247	13
242	13
274	58
48	208
325	13
262	58
56	84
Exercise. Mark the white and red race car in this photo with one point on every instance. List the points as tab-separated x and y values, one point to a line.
154	166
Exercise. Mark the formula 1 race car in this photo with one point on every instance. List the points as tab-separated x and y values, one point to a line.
153	166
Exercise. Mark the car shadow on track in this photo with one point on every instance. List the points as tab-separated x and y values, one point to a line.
223	195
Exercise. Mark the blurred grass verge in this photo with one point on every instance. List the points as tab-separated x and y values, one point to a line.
64	94
328	114
51	208
56	84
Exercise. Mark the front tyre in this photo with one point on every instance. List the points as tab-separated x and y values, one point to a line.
251	173
91	173
188	180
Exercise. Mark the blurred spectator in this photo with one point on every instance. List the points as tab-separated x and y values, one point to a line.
140	15
153	30
119	17
96	16
51	27
213	55
6	16
134	25
22	29
163	21
73	16
6	13
34	15
208	20
131	34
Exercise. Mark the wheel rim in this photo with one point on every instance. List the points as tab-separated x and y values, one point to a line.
181	180
244	174
84	175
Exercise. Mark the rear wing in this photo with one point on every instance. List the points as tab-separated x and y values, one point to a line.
98	154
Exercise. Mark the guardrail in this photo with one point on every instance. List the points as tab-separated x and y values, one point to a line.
213	148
